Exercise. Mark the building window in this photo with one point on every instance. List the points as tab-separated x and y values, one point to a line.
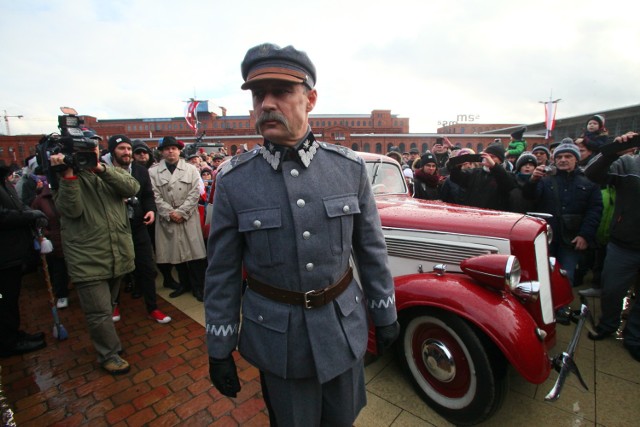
358	123
378	148
355	147
367	147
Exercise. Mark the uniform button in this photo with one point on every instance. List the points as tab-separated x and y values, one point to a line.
260	318
257	223
294	173
346	209
300	203
309	266
357	298
306	235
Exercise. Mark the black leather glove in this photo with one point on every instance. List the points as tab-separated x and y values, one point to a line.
386	335
224	375
36	217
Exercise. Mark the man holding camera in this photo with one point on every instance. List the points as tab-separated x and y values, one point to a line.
97	244
141	210
573	200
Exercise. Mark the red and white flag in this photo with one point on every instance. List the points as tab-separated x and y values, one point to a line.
191	115
550	116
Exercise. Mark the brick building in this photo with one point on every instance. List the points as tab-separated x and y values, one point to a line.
375	132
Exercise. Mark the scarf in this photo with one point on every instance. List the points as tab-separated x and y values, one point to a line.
429	180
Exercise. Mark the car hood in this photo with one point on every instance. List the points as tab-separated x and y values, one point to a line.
405	212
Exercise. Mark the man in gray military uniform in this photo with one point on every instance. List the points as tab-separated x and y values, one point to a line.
309	208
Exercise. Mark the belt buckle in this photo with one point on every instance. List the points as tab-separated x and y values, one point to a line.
311	293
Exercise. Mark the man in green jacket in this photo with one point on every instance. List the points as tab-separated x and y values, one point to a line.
97	246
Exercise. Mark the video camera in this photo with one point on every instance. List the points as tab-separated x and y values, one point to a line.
79	150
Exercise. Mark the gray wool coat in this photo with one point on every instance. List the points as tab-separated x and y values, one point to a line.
294	225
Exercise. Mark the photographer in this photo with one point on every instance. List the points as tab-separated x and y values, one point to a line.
96	238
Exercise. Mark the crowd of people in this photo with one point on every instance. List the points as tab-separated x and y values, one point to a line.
111	225
577	183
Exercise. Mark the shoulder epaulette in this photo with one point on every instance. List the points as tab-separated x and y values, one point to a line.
343	151
237	161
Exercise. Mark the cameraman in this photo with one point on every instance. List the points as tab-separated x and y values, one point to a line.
142	211
96	240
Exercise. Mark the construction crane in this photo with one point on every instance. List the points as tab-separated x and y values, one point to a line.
6	121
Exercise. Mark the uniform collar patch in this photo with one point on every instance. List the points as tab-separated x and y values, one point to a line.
302	153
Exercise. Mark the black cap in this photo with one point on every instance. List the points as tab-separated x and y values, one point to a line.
140	145
427	158
497	150
169	141
414	151
116	140
270	62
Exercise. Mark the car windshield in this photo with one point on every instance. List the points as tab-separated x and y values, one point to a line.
386	178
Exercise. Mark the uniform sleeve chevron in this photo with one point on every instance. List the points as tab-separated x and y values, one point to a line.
383	303
222	330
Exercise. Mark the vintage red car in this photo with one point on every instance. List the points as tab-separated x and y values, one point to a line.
476	290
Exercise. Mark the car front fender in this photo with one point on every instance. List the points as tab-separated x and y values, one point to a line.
498	315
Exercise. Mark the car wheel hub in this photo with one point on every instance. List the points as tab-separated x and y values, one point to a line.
438	360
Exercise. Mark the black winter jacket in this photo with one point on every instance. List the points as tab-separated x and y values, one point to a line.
577	195
15	227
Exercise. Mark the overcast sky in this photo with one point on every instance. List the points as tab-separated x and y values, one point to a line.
428	60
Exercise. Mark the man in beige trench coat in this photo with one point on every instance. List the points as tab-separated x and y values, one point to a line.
178	235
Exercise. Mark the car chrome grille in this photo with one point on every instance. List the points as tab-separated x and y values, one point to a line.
435	250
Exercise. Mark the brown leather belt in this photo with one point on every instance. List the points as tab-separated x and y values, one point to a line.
310	299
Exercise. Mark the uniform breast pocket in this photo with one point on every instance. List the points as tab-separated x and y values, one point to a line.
340	210
261	228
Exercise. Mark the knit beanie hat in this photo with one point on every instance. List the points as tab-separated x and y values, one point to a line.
497	150
525	158
517	135
116	140
570	148
542	148
427	158
598	118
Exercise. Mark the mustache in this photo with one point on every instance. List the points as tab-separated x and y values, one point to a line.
271	116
